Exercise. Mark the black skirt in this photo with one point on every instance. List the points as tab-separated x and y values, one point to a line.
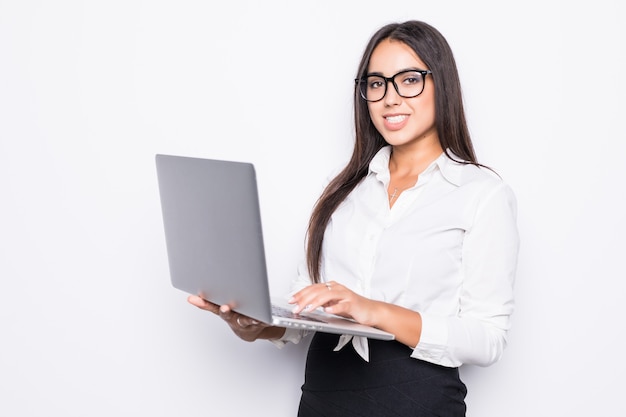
392	383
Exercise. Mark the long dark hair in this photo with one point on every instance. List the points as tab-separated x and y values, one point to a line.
433	49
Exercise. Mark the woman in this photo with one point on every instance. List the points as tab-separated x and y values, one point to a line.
414	237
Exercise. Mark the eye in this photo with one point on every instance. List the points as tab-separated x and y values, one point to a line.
411	78
374	83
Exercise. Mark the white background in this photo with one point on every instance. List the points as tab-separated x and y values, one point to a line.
90	91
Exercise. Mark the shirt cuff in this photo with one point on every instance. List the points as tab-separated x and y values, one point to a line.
291	335
433	340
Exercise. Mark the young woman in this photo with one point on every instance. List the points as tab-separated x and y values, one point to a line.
414	237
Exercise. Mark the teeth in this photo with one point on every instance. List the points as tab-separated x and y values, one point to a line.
396	119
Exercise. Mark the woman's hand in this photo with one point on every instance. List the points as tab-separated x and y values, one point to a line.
246	328
335	299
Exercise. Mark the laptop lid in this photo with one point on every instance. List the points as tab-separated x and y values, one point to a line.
214	241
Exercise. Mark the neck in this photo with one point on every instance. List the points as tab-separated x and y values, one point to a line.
411	162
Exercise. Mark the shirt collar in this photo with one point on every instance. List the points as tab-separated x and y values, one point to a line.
379	165
450	169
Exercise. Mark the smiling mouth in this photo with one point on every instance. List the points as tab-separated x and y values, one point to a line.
396	119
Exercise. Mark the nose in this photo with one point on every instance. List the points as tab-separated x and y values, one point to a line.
391	95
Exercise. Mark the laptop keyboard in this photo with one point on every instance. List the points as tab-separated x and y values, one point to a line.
286	313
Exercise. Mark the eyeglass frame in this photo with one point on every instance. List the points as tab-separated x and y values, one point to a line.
391	80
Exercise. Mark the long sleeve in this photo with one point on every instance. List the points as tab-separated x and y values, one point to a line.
477	334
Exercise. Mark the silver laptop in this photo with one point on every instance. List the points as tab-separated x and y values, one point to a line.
214	240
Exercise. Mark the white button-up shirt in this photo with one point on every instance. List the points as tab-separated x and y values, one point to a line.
446	249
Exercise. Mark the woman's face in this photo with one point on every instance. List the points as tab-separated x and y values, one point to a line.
402	121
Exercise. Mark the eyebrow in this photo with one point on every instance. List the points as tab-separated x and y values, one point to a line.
380	74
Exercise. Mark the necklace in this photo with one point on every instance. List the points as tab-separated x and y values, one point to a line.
393	195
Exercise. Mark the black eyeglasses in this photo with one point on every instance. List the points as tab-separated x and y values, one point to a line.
408	84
